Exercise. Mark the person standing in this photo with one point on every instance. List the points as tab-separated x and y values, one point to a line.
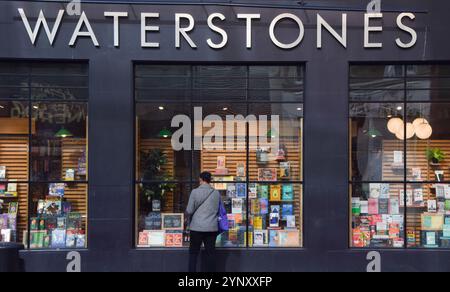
202	210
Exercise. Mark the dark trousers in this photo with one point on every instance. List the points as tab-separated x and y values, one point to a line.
209	240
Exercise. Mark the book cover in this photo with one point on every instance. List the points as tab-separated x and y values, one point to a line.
263	191
81	240
356	206
264	204
74	221
375	190
286	210
394	206
237	205
56	189
398	157
255	207
373	206
241	190
383	206
34	223
13	208
61	222
275	193
274	238
157	238
416	174
290	221
2	172
231	191
289	238
66	207
267	174
418	196
174	238
364	206
241	169
431	238
257	222
71	238
274	220
143	238
432	206
11	189
52	208
288	192
253	191
58	238
285	170
70	175
384	191
2	190
260	238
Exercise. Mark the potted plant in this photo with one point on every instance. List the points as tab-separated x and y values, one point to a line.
435	156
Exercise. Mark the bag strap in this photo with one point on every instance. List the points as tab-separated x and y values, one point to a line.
204	201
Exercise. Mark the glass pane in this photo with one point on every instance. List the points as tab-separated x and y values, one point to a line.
234	197
429	148
275	214
161	209
377	215
428	70
377	71
377	154
428	215
14	93
158	160
59	143
374	83
377	95
59	69
426	95
58	218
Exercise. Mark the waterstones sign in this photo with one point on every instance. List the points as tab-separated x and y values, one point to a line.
184	25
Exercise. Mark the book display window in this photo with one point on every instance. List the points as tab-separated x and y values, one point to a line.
400	147
43	154
210	110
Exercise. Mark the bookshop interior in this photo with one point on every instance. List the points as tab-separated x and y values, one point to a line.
43	154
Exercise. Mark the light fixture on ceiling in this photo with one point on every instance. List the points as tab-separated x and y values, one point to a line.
395	125
35	107
423	129
165	133
63	133
161	108
410	131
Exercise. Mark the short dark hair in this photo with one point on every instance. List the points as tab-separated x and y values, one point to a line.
206	176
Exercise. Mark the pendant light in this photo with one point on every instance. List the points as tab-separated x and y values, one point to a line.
165	133
410	131
63	133
395	125
424	131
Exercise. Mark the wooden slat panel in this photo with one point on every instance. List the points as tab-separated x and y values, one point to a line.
14	155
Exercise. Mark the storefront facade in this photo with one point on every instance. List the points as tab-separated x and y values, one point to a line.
139	60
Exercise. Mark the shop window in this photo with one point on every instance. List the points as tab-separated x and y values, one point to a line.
43	154
260	187
400	192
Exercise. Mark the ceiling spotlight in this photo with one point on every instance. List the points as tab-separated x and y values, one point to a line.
2	107
161	108
225	109
35	107
299	108
399	108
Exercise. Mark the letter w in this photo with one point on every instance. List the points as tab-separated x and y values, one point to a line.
33	34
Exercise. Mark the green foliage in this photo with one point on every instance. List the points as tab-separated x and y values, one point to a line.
435	155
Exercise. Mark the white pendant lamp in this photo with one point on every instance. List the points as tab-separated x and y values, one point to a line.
424	131
410	131
395	125
419	121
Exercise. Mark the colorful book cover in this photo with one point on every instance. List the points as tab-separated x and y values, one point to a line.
241	190
13	208
66	207
4	219
61	222
237	206
373	206
11	189
253	191
74	221
259	238
34	223
231	191
2	190
418	196
52	208
287	210
288	192
274	238
432	206
143	238
70	175
263	191
285	170
364	207
275	193
267	174
394	206
384	191
375	190
255	207
241	169
71	238
290	221
264	203
81	240
2	173
289	238
58	238
56	189
274	219
257	222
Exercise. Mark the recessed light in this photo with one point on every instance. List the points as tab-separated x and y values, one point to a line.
399	108
299	108
161	108
35	107
2	107
225	109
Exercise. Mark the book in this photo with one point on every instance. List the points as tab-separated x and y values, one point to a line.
375	190
52	207
275	193
237	206
431	239
286	210
156	205
174	238
257	222
81	240
384	191
37	239
11	190
260	238
432	206
398	158
383	206
255	207
157	238
13	208
56	189
267	174
253	191
143	238
66	207
264	206
58	238
373	206
364	207
74	221
241	169
291	221
416	174
2	190
231	191
71	239
446	230
418	196
241	190
2	172
6	235
274	238
356	206
82	165
70	175
274	220
285	170
288	192
263	191
394	206
289	238
221	166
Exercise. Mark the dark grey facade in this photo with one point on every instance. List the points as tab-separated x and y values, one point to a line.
326	156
